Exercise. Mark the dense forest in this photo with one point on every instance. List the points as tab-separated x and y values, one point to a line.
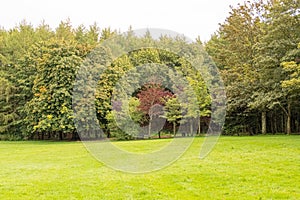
256	49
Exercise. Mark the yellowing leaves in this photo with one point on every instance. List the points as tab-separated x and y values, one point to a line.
64	109
42	89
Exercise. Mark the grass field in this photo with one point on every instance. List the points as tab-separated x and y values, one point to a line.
261	167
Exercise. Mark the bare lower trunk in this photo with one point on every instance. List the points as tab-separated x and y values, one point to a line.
264	122
288	121
60	135
199	126
174	128
149	129
191	128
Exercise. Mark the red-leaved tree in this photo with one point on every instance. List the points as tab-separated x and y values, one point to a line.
152	98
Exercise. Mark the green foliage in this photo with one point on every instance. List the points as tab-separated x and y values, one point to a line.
124	122
293	84
292	69
255	50
105	86
172	112
249	49
7	113
51	106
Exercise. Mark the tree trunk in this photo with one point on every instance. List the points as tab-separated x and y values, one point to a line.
174	128
74	135
288	121
191	127
149	127
276	126
199	126
271	123
88	134
283	128
264	122
60	136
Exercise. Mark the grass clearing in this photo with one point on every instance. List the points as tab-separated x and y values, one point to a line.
143	146
260	167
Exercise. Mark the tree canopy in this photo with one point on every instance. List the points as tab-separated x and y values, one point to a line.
256	50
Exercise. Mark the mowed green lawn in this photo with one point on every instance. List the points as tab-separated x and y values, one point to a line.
261	167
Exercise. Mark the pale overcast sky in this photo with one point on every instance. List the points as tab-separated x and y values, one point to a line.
188	17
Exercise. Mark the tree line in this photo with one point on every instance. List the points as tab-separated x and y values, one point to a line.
38	74
256	49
